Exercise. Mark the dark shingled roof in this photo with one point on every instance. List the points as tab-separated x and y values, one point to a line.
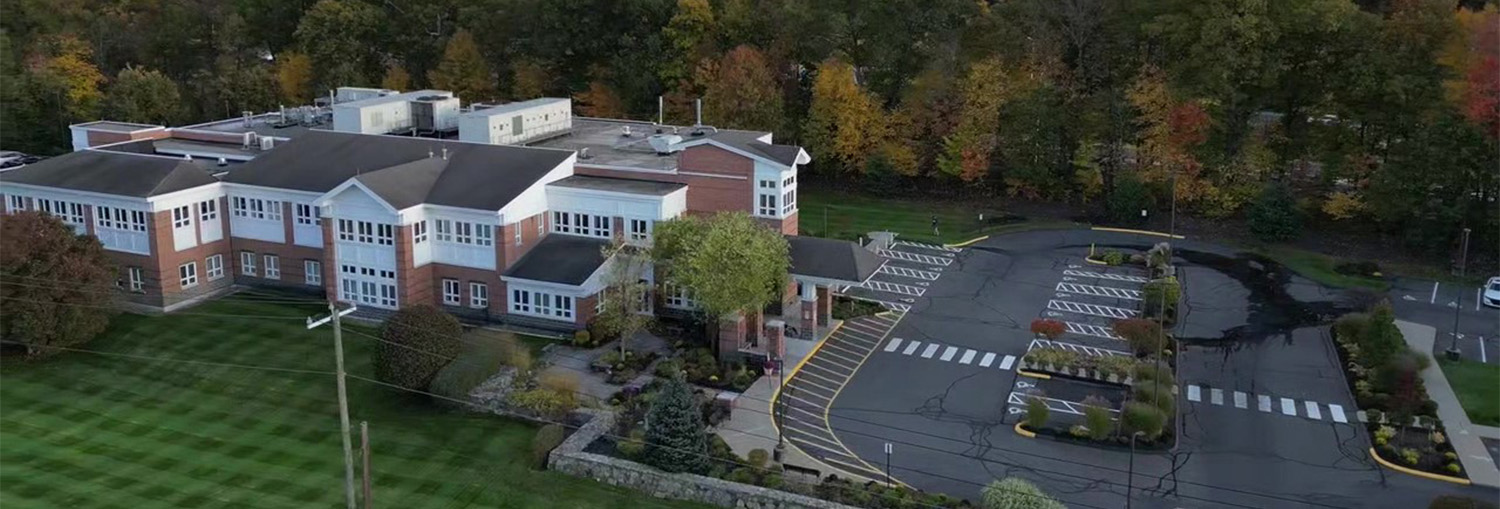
116	173
632	186
561	259
748	141
475	176
840	260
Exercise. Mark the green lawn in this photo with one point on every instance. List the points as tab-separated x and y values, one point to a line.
87	430
849	216
1478	388
1319	267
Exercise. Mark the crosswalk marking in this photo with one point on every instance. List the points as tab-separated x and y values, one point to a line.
1194	393
1091	309
1312	410
1263	402
968	357
1337	413
1099	291
1240	400
1216	396
893	345
911	347
1288	406
931	349
989	358
1005	364
905	272
948	354
1098	275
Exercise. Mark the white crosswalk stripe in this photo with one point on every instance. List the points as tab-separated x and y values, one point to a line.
911	347
1337	413
911	273
968	357
931	349
913	257
989	358
1288	406
1005	363
1240	400
1195	393
1216	396
1099	291
1100	275
1263	402
893	345
948	354
1312	411
1091	309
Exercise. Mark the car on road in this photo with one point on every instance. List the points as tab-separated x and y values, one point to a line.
1491	296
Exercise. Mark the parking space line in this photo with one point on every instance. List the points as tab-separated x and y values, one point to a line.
1098	275
1216	396
835	356
931	349
1194	393
1099	291
1091	330
798	397
1091	309
900	289
1337	413
1288	406
1240	400
911	347
905	272
814	382
968	357
948	354
893	345
989	358
824	372
913	257
1312	411
934	247
1263	402
1007	361
842	347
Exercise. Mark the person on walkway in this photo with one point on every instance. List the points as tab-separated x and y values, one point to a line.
934	226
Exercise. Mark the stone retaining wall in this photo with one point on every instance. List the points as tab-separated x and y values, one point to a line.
570	459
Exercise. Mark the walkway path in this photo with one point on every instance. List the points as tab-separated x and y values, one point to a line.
1471	451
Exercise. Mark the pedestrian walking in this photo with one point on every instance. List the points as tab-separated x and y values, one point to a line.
934	226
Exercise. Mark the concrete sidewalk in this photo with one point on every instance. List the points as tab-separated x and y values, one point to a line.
1463	434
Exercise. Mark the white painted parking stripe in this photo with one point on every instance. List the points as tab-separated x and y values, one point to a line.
1091	330
1097	275
1194	393
1240	400
925	245
1091	309
968	357
931	349
911	273
1312	411
1099	291
913	257
1005	363
1263	402
1337	413
989	358
948	354
893	345
1288	406
1216	396
911	347
882	286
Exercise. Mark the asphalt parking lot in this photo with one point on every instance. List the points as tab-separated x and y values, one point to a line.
1266	419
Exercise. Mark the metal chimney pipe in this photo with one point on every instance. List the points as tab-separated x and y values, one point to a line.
698	111
661	106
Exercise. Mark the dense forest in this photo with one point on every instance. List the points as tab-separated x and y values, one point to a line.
1382	115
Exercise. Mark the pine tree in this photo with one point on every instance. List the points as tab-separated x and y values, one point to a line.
676	440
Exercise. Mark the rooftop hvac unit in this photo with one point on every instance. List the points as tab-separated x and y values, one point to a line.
267	142
665	143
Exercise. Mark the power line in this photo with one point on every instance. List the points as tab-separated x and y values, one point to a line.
174	313
169	359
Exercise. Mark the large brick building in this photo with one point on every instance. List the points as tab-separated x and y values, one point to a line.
507	233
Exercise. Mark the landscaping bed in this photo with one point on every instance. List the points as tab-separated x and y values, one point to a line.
622	368
1422	449
845	308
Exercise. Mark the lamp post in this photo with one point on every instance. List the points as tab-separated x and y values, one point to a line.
780	452
1453	352
1130	479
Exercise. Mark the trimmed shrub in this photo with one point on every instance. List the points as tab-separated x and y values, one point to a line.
1155	394
1161	292
1113	258
547	438
1118	365
633	445
1145	336
1150	371
758	458
543	402
1096	416
1050	329
583	338
458	378
1016	493
415	344
1037	413
1143	417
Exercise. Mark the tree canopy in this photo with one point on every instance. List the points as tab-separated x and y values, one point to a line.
415	344
54	285
731	262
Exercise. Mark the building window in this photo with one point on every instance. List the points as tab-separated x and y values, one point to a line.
312	272
215	266
188	274
541	304
767	205
517	228
450	292
640	229
137	280
182	217
582	224
789	202
247	263
17	203
273	267
768	184
789	181
541	225
678	297
444	230
255	208
306	215
208	211
120	219
366	232
479	295
71	213
419	232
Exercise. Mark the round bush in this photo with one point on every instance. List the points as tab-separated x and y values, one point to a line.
416	343
1144	418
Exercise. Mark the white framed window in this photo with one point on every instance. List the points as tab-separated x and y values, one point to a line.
419	232
792	179
541	304
366	232
306	214
16	203
312	272
541	225
767	205
247	263
255	208
120	219
576	223
71	213
182	217
520	301
518	234
215	265
208	210
678	297
479	295
136	278
640	229
444	230
187	274
273	267
450	292
768	184
789	201
368	286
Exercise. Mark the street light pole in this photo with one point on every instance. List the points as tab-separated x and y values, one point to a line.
1453	352
888	449
1130	480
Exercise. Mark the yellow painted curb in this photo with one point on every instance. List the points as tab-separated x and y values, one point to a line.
966	243
1142	232
1022	431
1418	473
1095	262
777	393
1042	376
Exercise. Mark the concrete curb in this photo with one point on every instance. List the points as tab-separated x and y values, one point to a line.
1023	432
967	243
1033	374
1141	232
1418	473
1093	261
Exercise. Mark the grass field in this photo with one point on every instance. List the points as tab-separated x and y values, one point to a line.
1478	387
849	216
1319	267
89	430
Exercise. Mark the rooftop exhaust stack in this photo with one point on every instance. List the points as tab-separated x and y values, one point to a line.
698	112
445	153
661	107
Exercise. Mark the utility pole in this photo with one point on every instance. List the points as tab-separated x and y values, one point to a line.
364	456
1130	479
1453	353
334	314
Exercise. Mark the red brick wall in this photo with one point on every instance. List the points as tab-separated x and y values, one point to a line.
167	259
466	275
291	258
583	310
413	284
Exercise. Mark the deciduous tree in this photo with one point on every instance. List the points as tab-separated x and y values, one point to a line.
415	344
70	67
689	36
54	285
740	91
294	76
145	96
396	77
843	122
624	297
463	70
730	262
336	35
600	101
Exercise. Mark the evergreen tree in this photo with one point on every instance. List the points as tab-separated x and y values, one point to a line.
676	440
1275	216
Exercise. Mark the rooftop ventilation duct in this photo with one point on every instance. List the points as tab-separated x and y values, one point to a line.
665	143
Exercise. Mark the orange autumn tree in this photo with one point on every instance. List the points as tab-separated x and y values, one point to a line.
843	124
740	91
1169	130
599	101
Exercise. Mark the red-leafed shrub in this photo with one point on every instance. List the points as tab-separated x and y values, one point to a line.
1050	329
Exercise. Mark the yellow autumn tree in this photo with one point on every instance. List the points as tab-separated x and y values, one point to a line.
71	63
843	123
599	101
740	91
293	76
968	149
396	77
463	69
529	80
689	32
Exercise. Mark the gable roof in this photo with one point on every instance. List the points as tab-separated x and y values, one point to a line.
403	171
839	260
114	173
562	259
749	142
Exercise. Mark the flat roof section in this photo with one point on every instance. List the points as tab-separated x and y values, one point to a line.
265	124
619	185
608	145
117	127
501	109
561	259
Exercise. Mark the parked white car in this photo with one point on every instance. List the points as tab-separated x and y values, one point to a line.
1492	292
